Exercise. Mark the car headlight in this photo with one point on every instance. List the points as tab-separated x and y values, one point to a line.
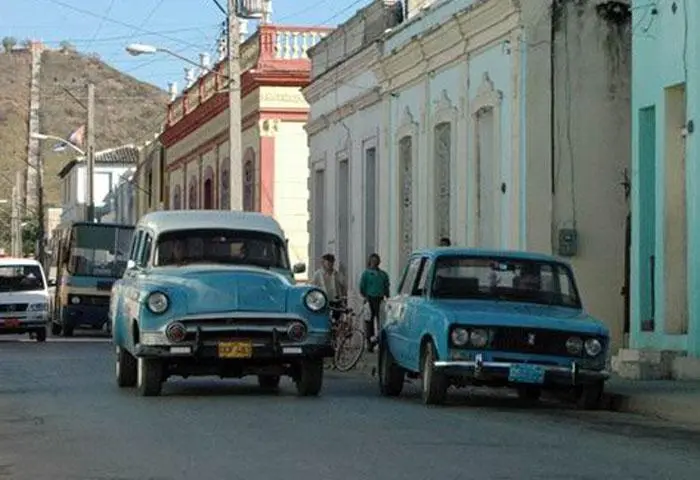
459	336
315	300
593	347
75	300
479	338
37	307
157	302
574	345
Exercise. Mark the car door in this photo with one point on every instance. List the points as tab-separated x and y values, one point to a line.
420	313
398	313
124	288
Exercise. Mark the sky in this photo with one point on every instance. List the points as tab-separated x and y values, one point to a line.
188	27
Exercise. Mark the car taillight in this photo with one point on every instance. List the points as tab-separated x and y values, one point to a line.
296	331
176	332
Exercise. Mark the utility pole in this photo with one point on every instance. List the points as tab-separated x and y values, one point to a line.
90	153
40	206
234	107
16	218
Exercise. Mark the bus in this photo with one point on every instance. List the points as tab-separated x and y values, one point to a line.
86	259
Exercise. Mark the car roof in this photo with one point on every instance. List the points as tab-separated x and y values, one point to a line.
479	252
176	220
10	261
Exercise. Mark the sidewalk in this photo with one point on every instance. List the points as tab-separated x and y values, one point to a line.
674	401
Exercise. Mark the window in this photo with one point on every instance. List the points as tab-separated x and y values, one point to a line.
225	200
249	180
99	250
208	188
443	158
192	198
21	278
149	182
177	198
370	201
423	277
236	247
409	279
505	279
406	198
146	250
135	244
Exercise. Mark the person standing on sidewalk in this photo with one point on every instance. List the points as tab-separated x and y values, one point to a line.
374	288
328	279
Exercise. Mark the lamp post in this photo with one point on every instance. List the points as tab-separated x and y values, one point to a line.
245	9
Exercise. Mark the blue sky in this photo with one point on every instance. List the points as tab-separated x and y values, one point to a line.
188	27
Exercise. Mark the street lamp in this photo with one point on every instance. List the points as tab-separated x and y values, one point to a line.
42	136
246	9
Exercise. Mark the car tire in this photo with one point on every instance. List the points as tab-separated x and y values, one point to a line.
66	331
55	329
529	394
590	397
310	379
41	335
149	377
391	376
433	383
269	383
126	369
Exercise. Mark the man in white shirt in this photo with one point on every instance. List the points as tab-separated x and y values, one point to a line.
328	279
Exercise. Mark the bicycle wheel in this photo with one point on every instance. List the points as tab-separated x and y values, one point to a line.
350	350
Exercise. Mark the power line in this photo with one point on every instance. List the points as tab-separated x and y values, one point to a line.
150	14
102	22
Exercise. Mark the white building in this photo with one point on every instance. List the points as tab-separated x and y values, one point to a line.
120	203
110	165
498	123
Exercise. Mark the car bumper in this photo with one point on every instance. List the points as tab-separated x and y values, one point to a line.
22	325
499	373
85	315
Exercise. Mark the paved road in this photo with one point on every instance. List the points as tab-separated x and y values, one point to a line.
63	418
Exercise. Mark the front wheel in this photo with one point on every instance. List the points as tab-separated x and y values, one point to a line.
310	378
149	377
391	376
126	369
590	397
434	383
41	335
55	329
350	348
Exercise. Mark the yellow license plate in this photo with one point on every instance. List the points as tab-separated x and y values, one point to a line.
242	349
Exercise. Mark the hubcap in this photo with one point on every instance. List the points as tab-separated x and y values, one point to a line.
426	373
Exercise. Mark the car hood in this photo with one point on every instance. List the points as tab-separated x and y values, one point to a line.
212	289
32	296
527	315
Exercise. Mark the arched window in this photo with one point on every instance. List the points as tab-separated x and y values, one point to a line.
208	188
249	180
177	198
192	200
225	200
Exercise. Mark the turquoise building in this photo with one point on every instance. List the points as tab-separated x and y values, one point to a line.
665	193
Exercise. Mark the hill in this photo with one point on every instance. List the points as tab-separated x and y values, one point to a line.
126	111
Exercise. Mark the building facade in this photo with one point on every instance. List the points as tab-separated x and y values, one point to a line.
274	164
475	123
110	165
665	200
120	202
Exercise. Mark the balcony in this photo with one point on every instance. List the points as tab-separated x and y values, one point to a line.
273	47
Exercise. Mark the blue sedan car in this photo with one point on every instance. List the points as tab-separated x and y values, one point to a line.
213	293
491	318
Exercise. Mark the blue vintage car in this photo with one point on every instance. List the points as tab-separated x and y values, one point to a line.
491	318
212	293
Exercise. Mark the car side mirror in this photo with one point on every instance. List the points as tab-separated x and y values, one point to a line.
51	282
299	268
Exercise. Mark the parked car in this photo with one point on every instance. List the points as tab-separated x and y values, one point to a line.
212	293
491	318
24	298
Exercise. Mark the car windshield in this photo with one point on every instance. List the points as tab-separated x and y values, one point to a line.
238	247
21	278
517	280
99	250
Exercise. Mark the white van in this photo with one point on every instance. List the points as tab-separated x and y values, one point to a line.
24	298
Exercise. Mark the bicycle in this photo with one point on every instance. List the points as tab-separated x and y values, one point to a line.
348	341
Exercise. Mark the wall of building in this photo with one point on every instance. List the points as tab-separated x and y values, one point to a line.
664	60
74	186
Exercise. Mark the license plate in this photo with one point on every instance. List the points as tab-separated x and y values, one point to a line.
525	373
12	323
242	349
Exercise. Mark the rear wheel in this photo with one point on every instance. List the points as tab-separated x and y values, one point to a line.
149	377
41	335
349	351
310	378
391	376
55	328
126	368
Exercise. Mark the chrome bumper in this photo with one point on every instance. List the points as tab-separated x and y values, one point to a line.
497	372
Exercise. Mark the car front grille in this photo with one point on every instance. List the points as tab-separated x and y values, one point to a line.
13	307
536	341
258	329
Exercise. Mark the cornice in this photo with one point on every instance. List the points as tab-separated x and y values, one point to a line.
351	107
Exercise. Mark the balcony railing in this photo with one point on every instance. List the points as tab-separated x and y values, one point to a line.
269	44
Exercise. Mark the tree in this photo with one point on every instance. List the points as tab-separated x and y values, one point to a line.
30	235
8	43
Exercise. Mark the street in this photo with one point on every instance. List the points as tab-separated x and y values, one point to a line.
62	417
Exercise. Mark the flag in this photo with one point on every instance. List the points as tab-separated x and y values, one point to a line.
77	138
